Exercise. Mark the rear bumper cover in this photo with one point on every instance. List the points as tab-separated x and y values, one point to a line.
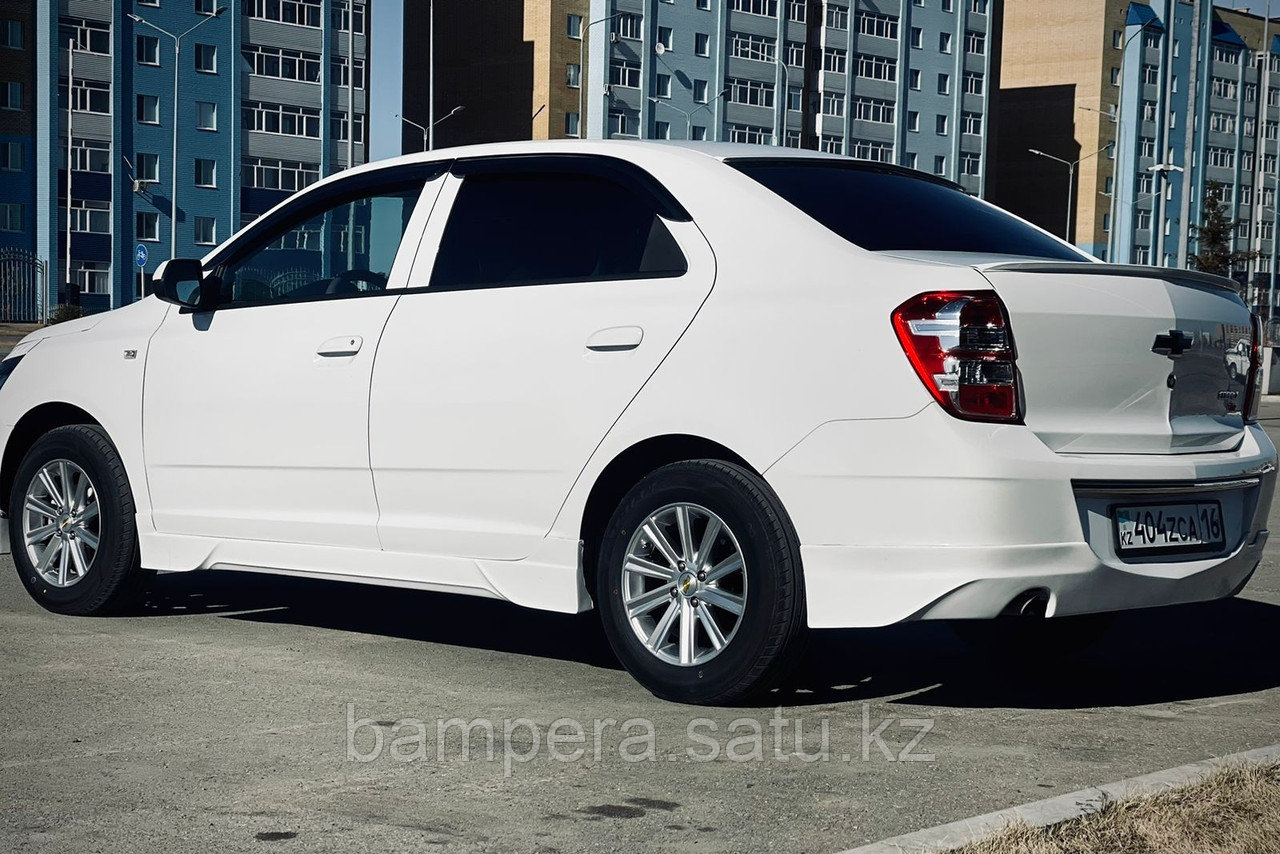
930	517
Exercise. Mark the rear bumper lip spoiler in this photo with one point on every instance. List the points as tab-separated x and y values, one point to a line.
1103	488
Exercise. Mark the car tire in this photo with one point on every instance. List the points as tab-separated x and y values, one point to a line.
705	653
73	482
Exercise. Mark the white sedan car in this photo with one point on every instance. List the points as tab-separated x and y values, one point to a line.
722	393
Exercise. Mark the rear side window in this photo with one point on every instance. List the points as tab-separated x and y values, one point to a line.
880	210
511	229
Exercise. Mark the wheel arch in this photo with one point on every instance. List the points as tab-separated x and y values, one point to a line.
626	470
30	427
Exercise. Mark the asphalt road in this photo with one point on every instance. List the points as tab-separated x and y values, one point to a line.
228	717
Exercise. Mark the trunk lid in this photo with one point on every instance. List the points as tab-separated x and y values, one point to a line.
1127	360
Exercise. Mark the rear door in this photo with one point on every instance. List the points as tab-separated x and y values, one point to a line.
546	292
1128	359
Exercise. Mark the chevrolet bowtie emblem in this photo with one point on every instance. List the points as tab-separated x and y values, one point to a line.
1174	344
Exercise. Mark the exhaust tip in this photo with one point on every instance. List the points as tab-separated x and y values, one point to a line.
1032	604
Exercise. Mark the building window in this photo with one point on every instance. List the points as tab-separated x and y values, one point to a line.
704	5
917	37
11	35
750	134
206	173
206	231
11	159
338	70
837	17
663	85
207	58
874	110
880	26
700	91
877	68
302	13
833	104
758	48
911	160
971	123
11	216
944	84
1117	39
205	7
12	94
835	60
831	144
206	115
287	64
913	121
86	36
93	277
913	79
339	15
90	216
699	133
944	42
752	92
88	96
573	75
146	226
975	43
666	38
623	124
148	168
796	10
148	50
1225	55
90	155
267	174
661	130
880	152
338	127
573	27
572	124
149	109
974	83
1115	76
625	74
940	125
1224	158
970	164
795	54
702	44
627	25
283	119
940	164
768	8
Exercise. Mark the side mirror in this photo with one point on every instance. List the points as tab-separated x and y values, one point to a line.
182	282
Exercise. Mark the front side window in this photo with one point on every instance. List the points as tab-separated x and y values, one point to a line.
910	213
341	245
507	230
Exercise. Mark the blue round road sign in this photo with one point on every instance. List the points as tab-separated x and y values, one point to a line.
140	255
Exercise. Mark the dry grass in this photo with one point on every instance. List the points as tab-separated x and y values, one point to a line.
1235	811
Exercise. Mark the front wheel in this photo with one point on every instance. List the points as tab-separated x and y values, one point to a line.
71	523
699	584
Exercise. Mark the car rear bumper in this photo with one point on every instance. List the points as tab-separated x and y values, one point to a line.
930	517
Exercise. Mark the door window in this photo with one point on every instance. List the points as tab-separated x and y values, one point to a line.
336	246
511	228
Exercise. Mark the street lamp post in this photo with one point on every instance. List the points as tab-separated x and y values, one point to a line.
426	129
1071	183
688	115
582	69
173	164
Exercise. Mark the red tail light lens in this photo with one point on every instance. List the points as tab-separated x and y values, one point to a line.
961	346
1253	390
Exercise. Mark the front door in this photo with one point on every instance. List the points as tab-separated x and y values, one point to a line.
255	415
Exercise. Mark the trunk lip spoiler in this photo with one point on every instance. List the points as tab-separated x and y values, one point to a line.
1088	269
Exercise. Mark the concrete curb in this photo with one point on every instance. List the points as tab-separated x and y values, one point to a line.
1058	809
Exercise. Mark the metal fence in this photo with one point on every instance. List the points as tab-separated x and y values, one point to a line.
24	287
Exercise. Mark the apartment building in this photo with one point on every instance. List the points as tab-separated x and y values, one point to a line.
1155	99
17	155
897	81
264	107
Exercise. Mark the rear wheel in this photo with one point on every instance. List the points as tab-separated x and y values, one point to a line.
71	523
699	584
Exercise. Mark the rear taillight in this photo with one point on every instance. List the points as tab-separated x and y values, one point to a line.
961	346
1253	389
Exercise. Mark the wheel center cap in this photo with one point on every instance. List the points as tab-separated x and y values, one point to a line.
687	584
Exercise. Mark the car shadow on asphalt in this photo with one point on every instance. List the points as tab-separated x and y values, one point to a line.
1160	655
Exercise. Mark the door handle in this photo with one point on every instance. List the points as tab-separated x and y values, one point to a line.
346	345
616	339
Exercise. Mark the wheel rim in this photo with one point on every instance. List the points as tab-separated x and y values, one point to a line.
684	584
61	523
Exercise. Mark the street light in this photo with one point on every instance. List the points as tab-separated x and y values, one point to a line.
688	116
582	68
426	129
1071	182
173	164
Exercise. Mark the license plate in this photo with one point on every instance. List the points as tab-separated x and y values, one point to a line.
1169	528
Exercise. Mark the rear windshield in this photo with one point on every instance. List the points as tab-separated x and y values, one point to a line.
883	211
